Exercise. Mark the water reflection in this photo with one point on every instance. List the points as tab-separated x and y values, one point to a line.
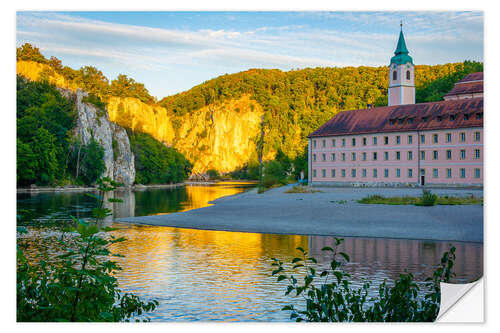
217	275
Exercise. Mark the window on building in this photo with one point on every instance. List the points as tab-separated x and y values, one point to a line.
386	173
323	157
479	115
374	156
394	75
448	154
439	118
408	75
323	143
343	142
422	138
353	142
374	173
462	154
410	173
422	172
343	156
411	120
353	173
435	155
333	157
386	155
364	156
364	141
462	137
448	173
477	136
314	173
462	172
477	153
477	173
342	172
333	143
422	155
314	157
333	173
435	138
466	116
452	117
323	173
410	139
398	173
398	155
398	140
410	155
353	156
314	143
386	140
374	140
435	173
448	137
424	119
363	173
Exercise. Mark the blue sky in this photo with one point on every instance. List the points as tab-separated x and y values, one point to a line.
173	51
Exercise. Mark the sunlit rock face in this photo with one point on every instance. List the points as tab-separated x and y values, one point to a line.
220	137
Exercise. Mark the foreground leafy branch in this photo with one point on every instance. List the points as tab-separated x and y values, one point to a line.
80	284
330	297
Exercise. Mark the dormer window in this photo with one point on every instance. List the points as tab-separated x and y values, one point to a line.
394	75
400	121
424	119
479	115
452	117
410	120
439	118
466	116
392	121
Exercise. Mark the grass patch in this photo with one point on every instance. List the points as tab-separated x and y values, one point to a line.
421	201
301	189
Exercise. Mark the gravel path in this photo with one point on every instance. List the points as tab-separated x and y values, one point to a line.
334	211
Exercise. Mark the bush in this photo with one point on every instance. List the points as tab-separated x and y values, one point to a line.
428	199
334	299
213	174
80	285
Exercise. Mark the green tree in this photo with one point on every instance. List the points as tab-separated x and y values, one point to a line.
27	164
46	151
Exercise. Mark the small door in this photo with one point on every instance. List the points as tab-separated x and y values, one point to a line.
422	180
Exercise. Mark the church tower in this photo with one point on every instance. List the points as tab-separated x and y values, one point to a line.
401	75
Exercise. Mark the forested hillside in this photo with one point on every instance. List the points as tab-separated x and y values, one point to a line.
216	125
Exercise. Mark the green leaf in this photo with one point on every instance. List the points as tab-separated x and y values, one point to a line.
281	277
327	248
346	257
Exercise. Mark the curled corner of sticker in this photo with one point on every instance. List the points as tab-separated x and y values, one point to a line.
462	303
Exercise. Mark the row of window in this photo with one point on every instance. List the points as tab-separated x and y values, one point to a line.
397	155
397	138
374	173
440	118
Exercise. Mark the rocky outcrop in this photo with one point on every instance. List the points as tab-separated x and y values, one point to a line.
93	122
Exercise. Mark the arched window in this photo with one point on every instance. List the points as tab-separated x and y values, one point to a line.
394	75
408	75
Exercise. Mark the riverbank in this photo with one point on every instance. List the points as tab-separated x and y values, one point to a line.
332	212
137	187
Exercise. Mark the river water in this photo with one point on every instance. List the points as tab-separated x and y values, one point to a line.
199	275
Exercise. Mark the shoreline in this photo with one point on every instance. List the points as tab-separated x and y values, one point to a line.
136	187
332	212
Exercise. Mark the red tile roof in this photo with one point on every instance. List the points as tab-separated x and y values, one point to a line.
450	114
472	83
478	76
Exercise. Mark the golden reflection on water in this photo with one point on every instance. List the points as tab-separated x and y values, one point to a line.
220	275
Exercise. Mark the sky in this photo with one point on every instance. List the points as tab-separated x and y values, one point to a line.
171	52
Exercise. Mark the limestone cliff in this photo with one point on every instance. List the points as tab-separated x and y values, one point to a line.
220	136
93	122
